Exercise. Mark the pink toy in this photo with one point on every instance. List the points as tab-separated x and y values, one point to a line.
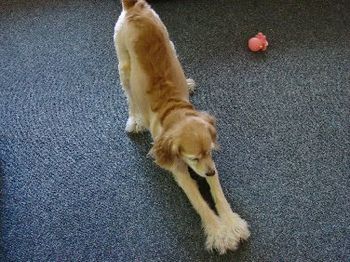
258	43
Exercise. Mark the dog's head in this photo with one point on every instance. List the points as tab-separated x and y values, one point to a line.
191	141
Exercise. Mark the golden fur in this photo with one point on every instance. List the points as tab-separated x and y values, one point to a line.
158	99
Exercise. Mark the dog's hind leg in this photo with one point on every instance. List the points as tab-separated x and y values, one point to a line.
191	84
134	123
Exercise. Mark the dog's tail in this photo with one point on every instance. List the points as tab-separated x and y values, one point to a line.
127	4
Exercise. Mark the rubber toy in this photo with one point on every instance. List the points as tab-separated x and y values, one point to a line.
258	43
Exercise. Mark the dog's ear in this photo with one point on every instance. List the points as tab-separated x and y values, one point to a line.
165	151
211	127
213	134
210	119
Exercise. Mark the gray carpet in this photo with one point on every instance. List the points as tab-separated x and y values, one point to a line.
76	187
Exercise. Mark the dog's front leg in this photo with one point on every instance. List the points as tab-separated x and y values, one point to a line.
217	237
234	224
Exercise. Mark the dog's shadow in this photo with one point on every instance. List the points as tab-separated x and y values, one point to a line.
204	189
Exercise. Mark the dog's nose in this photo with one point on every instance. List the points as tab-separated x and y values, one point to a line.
211	172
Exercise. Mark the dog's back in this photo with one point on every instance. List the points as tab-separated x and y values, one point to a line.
127	4
155	72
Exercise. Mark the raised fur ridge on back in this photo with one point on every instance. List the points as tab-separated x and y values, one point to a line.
127	4
153	46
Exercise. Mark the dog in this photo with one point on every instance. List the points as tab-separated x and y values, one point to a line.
157	93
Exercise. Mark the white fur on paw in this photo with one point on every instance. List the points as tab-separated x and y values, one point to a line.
134	126
235	223
191	85
228	235
130	125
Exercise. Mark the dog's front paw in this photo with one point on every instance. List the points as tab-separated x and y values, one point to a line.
228	235
238	226
217	241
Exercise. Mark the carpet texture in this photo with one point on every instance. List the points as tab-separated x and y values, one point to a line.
76	187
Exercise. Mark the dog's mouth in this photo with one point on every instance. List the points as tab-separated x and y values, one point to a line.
194	173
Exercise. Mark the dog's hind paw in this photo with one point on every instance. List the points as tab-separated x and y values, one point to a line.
191	85
133	126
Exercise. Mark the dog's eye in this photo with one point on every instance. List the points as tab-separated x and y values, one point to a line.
194	159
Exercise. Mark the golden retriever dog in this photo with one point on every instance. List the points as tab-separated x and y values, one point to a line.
158	99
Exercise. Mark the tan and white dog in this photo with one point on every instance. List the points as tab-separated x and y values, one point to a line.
158	98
